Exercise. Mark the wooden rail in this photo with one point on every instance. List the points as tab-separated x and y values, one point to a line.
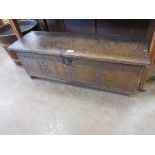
15	26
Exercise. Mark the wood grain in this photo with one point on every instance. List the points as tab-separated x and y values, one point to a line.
97	47
101	62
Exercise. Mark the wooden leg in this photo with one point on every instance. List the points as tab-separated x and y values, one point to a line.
15	26
144	77
147	70
152	58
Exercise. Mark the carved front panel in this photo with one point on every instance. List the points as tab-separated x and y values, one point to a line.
51	67
30	63
57	69
84	71
119	77
107	76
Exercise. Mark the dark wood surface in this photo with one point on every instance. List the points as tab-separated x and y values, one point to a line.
79	25
110	49
55	25
42	23
128	27
101	62
124	27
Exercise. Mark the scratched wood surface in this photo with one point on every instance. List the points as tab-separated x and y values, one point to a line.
105	48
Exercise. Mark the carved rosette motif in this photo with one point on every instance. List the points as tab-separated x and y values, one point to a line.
44	67
23	61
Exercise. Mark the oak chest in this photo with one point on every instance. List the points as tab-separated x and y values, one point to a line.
108	63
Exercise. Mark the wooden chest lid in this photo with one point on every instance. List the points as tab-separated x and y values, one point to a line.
116	49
